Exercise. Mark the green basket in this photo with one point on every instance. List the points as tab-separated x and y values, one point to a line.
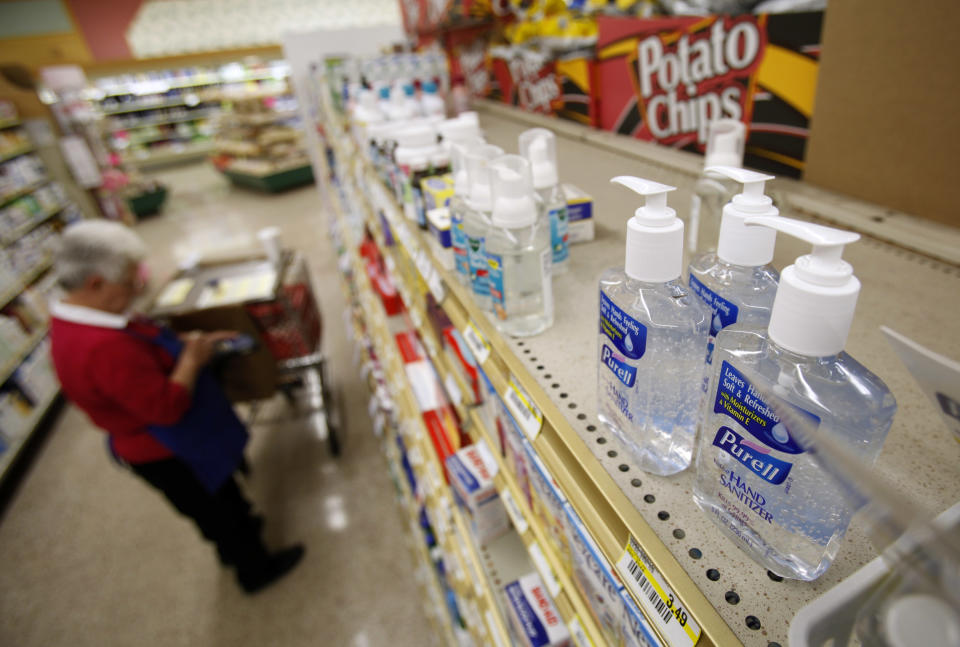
147	204
273	183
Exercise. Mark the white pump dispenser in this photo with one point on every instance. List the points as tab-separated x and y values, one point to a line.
654	234
518	251
737	281
813	311
458	205
539	146
476	220
652	340
725	145
796	514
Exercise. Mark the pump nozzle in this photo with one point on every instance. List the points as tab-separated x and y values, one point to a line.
817	295
725	141
513	202
655	212
752	198
538	145
654	234
739	244
478	175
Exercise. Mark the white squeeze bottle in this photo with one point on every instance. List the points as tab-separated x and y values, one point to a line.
725	142
476	220
754	480
652	340
518	251
737	282
539	146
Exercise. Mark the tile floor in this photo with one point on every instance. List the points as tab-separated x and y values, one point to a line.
89	555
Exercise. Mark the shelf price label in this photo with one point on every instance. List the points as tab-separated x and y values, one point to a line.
657	600
513	511
543	567
580	638
524	412
476	343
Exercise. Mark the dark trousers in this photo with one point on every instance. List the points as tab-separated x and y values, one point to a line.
225	517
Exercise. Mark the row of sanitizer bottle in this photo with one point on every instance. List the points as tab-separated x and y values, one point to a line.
721	356
508	222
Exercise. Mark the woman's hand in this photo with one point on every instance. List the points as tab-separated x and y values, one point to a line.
199	347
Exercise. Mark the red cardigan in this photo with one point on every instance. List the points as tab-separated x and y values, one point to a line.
121	382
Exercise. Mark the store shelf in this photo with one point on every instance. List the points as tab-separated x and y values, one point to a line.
279	180
196	116
204	81
17	152
16	446
9	123
26	227
19	193
259	119
170	157
17	287
155	106
7	368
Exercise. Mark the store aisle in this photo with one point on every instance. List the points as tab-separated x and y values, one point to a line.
90	555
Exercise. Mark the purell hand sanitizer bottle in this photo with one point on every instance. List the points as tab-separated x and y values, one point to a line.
518	251
652	341
476	221
725	142
754	480
538	146
737	282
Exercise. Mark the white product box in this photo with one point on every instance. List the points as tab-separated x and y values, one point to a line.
471	472
534	619
579	214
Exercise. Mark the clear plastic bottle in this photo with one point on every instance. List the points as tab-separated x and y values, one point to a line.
538	145
430	101
737	282
476	221
652	341
712	191
518	252
754	480
458	207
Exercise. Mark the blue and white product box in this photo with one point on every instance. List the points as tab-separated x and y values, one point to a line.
600	586
471	471
634	628
438	220
534	619
579	214
547	503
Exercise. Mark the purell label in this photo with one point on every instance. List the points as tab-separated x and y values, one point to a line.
737	398
754	457
724	312
624	372
558	234
628	335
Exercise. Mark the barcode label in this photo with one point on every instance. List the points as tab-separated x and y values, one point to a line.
527	416
580	637
475	342
656	599
543	567
513	511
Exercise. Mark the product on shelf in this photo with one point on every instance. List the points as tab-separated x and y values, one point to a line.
471	471
518	251
755	480
534	618
652	340
539	147
579	214
713	191
476	220
737	283
20	174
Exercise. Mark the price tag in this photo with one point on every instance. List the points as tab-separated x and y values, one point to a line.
543	567
475	342
579	636
521	406
492	625
513	511
453	391
657	600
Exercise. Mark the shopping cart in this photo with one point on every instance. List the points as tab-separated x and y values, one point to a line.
275	304
291	328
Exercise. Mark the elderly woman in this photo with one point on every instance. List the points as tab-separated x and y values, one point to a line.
165	416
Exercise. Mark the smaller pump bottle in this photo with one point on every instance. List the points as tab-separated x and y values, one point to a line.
652	340
737	282
476	221
458	207
430	102
725	143
539	146
754	480
518	252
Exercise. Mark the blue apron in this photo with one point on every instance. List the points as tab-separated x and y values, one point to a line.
209	437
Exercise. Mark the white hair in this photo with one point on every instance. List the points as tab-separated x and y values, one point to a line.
96	248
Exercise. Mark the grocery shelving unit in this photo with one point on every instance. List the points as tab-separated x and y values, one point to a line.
23	213
905	265
164	117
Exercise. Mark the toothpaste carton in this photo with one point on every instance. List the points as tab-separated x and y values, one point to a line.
579	214
534	619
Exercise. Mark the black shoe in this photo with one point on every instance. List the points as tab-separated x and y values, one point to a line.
278	565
